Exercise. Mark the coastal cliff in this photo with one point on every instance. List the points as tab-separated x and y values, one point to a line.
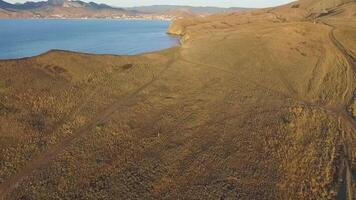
177	27
253	105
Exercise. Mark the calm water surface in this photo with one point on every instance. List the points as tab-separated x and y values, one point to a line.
23	38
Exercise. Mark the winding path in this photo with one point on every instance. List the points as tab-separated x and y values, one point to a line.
345	115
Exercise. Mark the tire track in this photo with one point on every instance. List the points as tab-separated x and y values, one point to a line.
347	184
317	66
338	111
43	159
351	60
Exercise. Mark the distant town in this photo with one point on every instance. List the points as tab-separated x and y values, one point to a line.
122	17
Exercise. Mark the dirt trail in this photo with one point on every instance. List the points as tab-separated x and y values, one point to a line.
348	55
339	111
50	154
352	63
345	115
334	110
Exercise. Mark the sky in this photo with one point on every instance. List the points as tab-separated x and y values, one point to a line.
218	3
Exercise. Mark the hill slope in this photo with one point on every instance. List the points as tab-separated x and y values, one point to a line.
253	105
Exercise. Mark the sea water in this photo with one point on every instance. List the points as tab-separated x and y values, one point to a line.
23	38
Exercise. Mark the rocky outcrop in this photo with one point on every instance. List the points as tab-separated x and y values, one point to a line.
177	27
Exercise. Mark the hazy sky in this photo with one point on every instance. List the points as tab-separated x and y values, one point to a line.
219	3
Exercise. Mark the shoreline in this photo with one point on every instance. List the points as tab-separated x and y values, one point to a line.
118	19
173	36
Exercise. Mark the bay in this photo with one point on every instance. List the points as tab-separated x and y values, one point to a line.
29	37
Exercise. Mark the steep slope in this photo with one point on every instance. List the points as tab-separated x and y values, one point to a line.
15	14
252	105
5	5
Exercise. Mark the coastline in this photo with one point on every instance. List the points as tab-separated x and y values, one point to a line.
156	27
124	19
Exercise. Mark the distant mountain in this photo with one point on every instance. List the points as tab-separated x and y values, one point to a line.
81	9
54	3
192	9
61	9
5	5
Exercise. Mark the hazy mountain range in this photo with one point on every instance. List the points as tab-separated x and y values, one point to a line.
42	4
196	10
81	9
60	9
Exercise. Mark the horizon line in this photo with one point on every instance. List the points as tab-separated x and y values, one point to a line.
148	5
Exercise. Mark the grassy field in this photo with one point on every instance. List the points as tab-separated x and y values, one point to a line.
252	105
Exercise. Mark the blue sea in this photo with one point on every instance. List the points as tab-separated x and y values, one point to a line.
24	38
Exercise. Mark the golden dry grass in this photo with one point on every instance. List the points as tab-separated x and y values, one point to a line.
253	105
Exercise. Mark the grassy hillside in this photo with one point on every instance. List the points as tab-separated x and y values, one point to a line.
252	105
